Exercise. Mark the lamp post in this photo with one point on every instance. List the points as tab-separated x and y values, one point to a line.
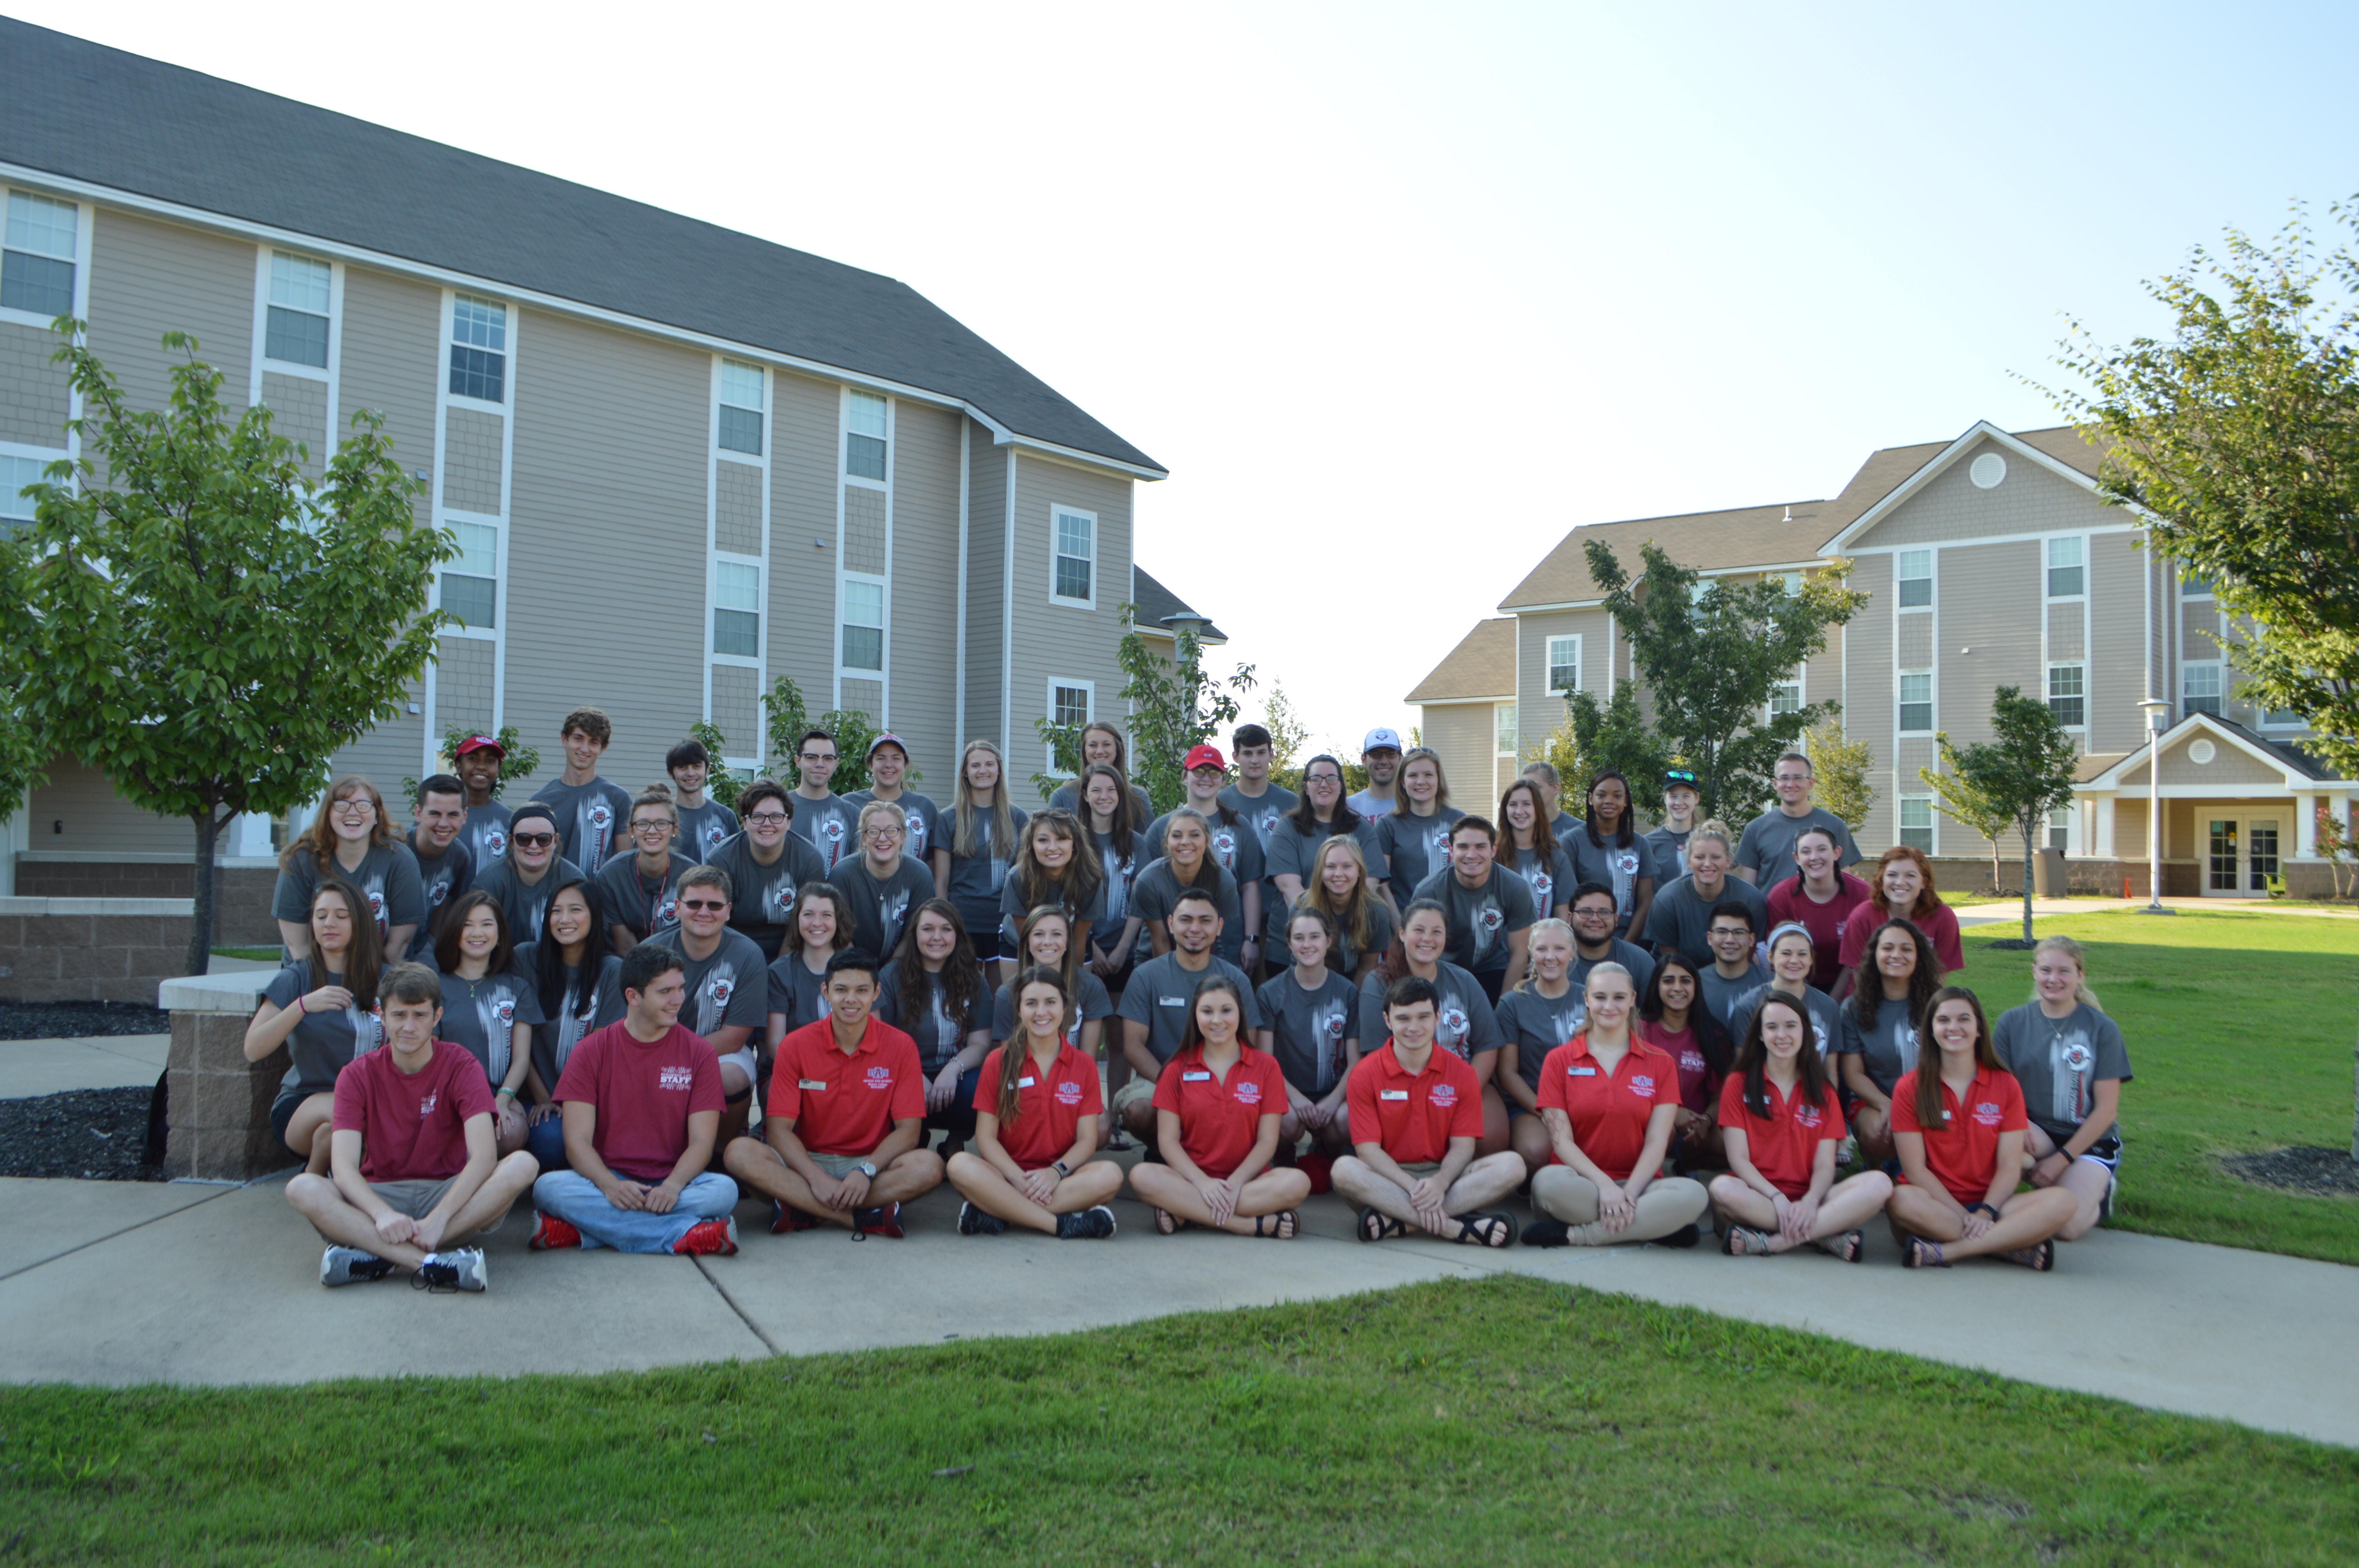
2158	712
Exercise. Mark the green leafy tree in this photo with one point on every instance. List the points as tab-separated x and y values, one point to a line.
852	733
24	749
2238	436
784	718
1612	736
1961	801
1840	767
211	627
2336	847
517	761
720	783
1174	706
2019	776
1287	736
1711	651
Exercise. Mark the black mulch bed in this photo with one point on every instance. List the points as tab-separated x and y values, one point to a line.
2313	1172
71	1020
98	1135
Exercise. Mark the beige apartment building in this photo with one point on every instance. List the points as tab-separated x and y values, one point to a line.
1988	561
678	461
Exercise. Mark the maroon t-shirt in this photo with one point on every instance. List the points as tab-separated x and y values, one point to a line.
1823	920
413	1126
645	1094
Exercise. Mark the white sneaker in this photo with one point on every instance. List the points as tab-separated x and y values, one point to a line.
460	1268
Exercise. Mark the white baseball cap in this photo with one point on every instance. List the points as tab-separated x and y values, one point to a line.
1380	739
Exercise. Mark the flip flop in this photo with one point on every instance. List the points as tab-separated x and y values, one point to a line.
1375	1226
1169	1224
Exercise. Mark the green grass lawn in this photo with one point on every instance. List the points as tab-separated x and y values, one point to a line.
2240	1029
261	953
1504	1419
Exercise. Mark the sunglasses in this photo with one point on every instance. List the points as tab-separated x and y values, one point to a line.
532	840
705	904
1677	777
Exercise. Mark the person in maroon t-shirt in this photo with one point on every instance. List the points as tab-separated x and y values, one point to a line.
847	1112
1819	901
1417	1114
1217	1108
642	1105
412	1159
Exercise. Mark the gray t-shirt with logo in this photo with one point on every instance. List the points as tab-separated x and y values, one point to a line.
1260	812
938	1034
482	1015
1767	845
1157	996
1718	995
323	1042
1538	1025
703	829
729	986
1414	848
387	877
1887	1047
2060	1062
485	834
1467	1024
1547	872
882	905
1295	853
1618	865
1122	862
829	824
640	903
1481	918
526	906
977	880
1234	844
919	815
1679	917
441	879
590	818
762	898
1670	850
1157	894
796	991
591	1008
1310	1030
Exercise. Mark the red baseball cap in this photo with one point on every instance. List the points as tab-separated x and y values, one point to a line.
480	743
1204	757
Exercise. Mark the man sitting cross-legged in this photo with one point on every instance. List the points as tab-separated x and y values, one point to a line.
846	1113
412	1161
1417	1114
642	1104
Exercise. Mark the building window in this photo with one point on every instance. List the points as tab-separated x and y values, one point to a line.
864	438
863	625
470	578
37	271
1563	666
1698	589
1793	582
1917	702
2060	827
1786	697
296	330
1915	576
2195	585
1503	724
1075	562
2068	696
1071	704
741	407
2066	572
1916	822
15	473
737	610
479	349
2274	719
2198	687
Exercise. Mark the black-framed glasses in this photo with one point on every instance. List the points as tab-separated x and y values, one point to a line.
767	820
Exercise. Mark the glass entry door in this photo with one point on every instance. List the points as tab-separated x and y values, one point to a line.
2240	855
2222	846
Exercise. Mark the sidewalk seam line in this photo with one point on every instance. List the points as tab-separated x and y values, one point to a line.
751	1327
95	1240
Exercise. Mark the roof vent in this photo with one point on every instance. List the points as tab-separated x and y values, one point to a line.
1987	470
1789	515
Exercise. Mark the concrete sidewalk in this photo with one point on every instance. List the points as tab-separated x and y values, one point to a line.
29	1067
121	1283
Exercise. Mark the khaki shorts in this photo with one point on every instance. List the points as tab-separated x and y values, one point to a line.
416	1200
1419	1168
839	1165
1131	1093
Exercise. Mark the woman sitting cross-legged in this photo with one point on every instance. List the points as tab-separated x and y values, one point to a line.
1780	1121
1958	1123
1609	1100
1217	1109
1036	1124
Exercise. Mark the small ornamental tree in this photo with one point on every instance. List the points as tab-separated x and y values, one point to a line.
1712	652
1841	768
23	747
2336	849
1287	736
211	628
2020	777
1609	736
1174	706
1958	799
517	761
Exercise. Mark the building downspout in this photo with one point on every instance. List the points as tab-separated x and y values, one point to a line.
958	702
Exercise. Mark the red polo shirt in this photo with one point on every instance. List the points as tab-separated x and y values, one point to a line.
1963	1153
413	1126
1220	1118
1824	922
1609	1111
846	1103
1413	1115
1784	1148
1048	1105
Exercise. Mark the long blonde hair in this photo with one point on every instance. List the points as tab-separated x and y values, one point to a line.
1353	919
1550	923
2070	949
964	842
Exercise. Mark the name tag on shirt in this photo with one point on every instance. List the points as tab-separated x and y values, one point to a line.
1171	1001
814	1085
1580	1071
1392	1094
1023	1082
1195	1078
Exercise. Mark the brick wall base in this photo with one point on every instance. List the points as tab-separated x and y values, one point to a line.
219	1103
89	957
241	894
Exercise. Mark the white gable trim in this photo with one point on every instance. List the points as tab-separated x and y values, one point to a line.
2112	779
1982	431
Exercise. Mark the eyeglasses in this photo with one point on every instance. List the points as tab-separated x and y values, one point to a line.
766	820
356	808
653	828
876	834
1592	915
704	905
532	840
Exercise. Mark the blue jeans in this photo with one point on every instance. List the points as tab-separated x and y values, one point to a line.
573	1199
545	1141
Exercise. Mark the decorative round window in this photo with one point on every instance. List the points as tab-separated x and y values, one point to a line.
2202	752
1987	470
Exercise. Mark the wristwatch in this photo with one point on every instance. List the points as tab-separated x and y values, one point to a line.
1058	1167
867	1168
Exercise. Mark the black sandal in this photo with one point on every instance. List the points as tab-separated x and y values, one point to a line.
1284	1226
1377	1227
2039	1258
1490	1228
1169	1224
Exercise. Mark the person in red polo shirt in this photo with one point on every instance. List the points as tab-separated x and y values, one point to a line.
1417	1114
1217	1109
1036	1103
1960	1135
1780	1120
413	1163
1609	1100
1819	901
847	1112
643	1102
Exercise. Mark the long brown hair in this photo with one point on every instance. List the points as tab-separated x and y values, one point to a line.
960	982
1124	824
835	900
318	840
364	958
1752	1059
1084	872
1928	1051
1069	972
1542	839
1193	1038
1396	963
446	942
1019	1044
1867	980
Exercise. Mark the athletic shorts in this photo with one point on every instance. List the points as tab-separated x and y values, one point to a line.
837	1166
745	1062
416	1200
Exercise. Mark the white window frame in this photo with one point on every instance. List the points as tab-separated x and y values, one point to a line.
1933	829
1088	691
1900	701
2219	694
451	297
1931	580
41	457
2049	568
1801	686
2186	591
852	399
81	211
759	407
2059	821
845	577
262	304
715	557
2052	695
845	583
1549	663
2292	722
1057	510
446	515
1505	714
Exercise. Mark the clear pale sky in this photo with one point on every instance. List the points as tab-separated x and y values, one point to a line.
1401	293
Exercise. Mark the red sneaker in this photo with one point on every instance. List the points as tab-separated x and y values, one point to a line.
551	1233
883	1221
1320	1168
711	1239
785	1220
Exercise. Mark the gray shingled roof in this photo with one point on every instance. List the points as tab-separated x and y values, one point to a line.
80	110
1159	606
